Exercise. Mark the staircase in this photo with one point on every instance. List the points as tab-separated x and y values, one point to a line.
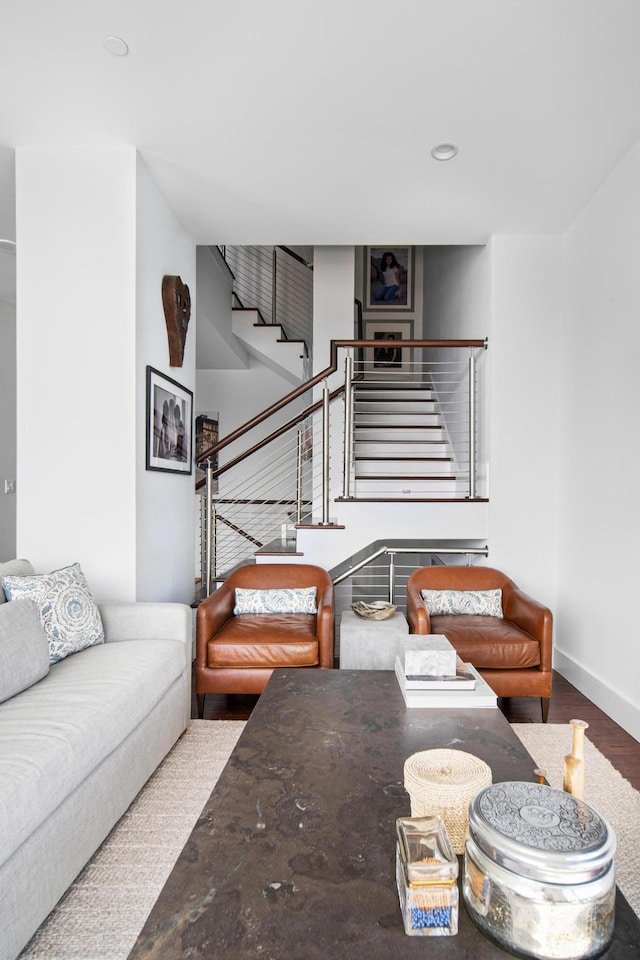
401	447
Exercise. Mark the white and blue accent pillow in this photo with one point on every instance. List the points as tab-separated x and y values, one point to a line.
301	600
479	603
68	612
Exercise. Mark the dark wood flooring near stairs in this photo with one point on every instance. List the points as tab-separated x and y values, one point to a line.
567	703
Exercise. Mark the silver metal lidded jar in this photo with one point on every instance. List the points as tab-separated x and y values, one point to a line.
538	871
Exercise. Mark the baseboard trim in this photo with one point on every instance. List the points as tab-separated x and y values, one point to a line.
614	703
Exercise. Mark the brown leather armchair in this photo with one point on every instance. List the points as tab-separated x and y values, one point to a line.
237	654
513	654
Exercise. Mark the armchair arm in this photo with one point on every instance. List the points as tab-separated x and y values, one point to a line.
324	628
417	614
535	618
212	614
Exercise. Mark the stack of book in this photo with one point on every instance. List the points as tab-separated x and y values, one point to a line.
465	688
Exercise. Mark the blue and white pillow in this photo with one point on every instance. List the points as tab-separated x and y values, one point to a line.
68	612
479	603
301	600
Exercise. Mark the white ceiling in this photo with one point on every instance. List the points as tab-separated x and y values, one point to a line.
311	121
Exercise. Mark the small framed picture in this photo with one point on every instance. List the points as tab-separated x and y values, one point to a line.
169	424
388	278
389	355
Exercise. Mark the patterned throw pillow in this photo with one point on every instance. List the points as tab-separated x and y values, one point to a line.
68	612
302	600
479	603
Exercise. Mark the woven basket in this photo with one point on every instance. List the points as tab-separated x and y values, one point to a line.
444	782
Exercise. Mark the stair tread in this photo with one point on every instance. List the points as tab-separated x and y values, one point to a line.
406	476
405	459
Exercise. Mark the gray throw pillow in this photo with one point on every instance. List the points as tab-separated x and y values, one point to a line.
14	568
24	648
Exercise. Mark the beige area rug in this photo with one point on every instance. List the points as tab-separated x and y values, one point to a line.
102	913
606	791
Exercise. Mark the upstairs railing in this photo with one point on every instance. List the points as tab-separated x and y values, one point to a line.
282	472
277	282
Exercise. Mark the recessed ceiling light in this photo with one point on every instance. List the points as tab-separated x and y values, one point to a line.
444	151
116	46
8	246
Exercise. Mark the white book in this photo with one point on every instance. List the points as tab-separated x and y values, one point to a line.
464	679
482	696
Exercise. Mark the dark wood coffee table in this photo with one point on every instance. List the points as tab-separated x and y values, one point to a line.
293	856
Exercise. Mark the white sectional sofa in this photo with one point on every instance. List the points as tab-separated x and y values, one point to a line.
78	745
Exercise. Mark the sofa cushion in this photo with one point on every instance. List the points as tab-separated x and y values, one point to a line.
489	641
55	733
24	649
482	603
265	640
69	613
298	600
17	568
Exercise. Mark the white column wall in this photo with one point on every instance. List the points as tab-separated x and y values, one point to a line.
76	399
524	398
599	520
333	313
165	532
7	428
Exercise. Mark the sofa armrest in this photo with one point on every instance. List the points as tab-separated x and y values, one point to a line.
534	618
213	613
417	614
324	628
147	621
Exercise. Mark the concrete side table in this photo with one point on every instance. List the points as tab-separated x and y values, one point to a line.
371	644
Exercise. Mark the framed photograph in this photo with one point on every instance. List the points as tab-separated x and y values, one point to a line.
390	356
388	279
169	424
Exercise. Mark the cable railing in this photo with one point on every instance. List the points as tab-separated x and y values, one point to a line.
411	421
278	283
407	433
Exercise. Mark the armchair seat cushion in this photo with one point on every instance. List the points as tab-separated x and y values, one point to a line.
265	640
489	642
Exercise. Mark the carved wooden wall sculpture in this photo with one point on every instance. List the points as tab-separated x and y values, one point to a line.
176	301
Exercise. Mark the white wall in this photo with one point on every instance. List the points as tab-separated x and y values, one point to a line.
524	343
457	306
76	397
7	427
164	501
216	344
598	519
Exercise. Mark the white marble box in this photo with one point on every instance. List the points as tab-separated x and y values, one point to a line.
430	655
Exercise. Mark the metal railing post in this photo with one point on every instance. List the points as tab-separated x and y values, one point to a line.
472	426
209	528
392	575
325	453
274	262
299	479
348	424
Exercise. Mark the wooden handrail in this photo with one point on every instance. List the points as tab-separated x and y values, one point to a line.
273	436
314	381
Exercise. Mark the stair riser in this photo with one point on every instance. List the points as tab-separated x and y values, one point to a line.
408	488
375	406
373	448
377	468
397	419
384	395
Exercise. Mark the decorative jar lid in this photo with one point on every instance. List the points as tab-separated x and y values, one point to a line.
542	833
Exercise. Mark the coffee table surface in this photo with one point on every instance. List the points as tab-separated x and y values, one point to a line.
293	855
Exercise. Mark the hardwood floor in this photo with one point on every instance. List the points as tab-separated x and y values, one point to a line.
567	703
